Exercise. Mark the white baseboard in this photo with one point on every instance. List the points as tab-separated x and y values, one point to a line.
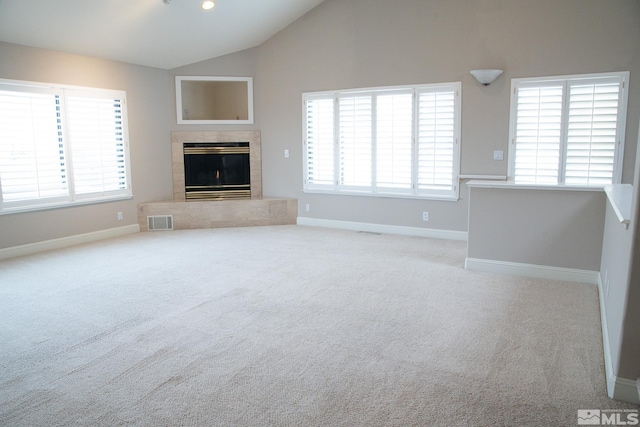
64	242
617	388
386	229
532	270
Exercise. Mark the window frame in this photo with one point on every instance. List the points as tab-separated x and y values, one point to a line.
73	197
375	190
566	81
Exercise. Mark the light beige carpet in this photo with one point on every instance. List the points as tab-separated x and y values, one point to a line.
290	326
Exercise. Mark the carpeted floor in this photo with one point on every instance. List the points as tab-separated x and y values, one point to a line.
290	326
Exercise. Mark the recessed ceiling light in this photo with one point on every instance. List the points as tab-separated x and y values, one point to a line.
208	4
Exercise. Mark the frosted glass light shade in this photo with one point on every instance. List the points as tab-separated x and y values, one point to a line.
486	76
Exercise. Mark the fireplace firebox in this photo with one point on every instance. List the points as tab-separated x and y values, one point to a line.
217	170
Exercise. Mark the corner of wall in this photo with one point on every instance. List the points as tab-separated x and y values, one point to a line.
618	388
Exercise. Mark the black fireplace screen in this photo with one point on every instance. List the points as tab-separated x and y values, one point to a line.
217	170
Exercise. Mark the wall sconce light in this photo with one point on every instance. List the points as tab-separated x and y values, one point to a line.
486	77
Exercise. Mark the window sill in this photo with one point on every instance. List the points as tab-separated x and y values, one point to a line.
59	205
516	186
453	198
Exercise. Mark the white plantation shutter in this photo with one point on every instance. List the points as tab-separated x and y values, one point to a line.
98	145
568	131
355	141
394	140
61	145
592	131
320	143
437	140
380	141
32	155
538	134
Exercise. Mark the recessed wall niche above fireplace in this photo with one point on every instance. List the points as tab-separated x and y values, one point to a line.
216	165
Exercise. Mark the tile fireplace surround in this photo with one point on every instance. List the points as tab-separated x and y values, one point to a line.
177	159
219	213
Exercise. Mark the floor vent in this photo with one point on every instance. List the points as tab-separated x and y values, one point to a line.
160	222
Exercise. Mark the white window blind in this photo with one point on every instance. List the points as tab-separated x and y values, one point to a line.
355	141
568	130
437	140
394	143
61	145
538	134
32	153
320	143
592	131
95	128
400	141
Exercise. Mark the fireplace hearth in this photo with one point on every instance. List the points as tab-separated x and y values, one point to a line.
217	171
192	214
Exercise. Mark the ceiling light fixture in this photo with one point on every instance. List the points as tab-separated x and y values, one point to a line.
486	77
208	4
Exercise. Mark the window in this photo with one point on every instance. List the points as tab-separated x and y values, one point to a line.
400	141
568	130
61	145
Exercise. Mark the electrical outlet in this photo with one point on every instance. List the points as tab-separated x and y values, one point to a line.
307	207
498	155
120	216
286	154
425	216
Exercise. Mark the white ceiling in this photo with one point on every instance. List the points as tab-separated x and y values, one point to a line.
147	32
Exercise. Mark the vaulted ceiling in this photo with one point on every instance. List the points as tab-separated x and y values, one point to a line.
155	33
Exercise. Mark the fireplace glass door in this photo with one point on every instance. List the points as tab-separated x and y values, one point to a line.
217	171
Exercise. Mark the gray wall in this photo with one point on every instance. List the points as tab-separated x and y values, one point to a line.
615	270
149	107
629	361
240	64
620	273
363	43
541	227
349	44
